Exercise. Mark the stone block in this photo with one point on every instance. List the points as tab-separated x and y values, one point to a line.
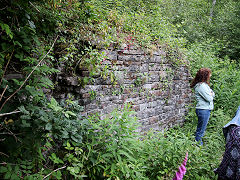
150	112
143	106
153	77
120	75
153	120
91	107
112	55
126	50
86	95
152	104
144	68
127	58
73	81
136	107
147	86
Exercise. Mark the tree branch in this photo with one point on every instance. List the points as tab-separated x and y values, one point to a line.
3	8
3	92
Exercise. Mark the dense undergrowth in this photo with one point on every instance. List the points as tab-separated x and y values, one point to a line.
113	149
45	139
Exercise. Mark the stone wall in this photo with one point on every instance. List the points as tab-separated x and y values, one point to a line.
156	84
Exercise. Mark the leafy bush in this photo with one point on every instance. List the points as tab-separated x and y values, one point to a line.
40	132
110	150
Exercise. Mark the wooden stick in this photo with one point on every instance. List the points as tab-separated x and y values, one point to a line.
5	114
54	171
4	154
3	92
34	6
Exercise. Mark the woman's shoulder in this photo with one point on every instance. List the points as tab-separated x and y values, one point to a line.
201	85
205	84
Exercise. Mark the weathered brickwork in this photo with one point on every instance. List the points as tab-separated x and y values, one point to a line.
155	85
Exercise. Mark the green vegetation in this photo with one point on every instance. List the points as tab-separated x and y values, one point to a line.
45	139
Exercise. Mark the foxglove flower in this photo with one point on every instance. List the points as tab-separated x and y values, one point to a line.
182	169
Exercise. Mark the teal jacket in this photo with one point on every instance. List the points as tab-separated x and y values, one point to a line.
204	96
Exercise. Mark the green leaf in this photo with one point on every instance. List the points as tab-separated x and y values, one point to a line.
65	134
69	146
70	113
55	159
32	25
3	169
23	110
17	43
23	166
126	154
6	28
54	105
58	175
46	82
75	139
48	126
67	116
15	176
16	168
73	170
24	122
7	175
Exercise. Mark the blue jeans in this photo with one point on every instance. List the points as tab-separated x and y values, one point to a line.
203	117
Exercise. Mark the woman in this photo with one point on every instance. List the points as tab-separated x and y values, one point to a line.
230	165
204	96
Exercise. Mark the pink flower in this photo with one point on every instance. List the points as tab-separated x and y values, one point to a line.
102	60
182	169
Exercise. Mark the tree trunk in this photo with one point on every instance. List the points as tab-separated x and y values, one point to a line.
211	11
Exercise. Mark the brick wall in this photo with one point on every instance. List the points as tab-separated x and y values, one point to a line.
156	85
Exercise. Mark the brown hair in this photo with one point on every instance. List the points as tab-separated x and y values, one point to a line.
203	75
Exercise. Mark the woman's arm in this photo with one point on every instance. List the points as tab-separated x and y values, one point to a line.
206	93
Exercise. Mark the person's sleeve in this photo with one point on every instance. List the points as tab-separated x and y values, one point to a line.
205	92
